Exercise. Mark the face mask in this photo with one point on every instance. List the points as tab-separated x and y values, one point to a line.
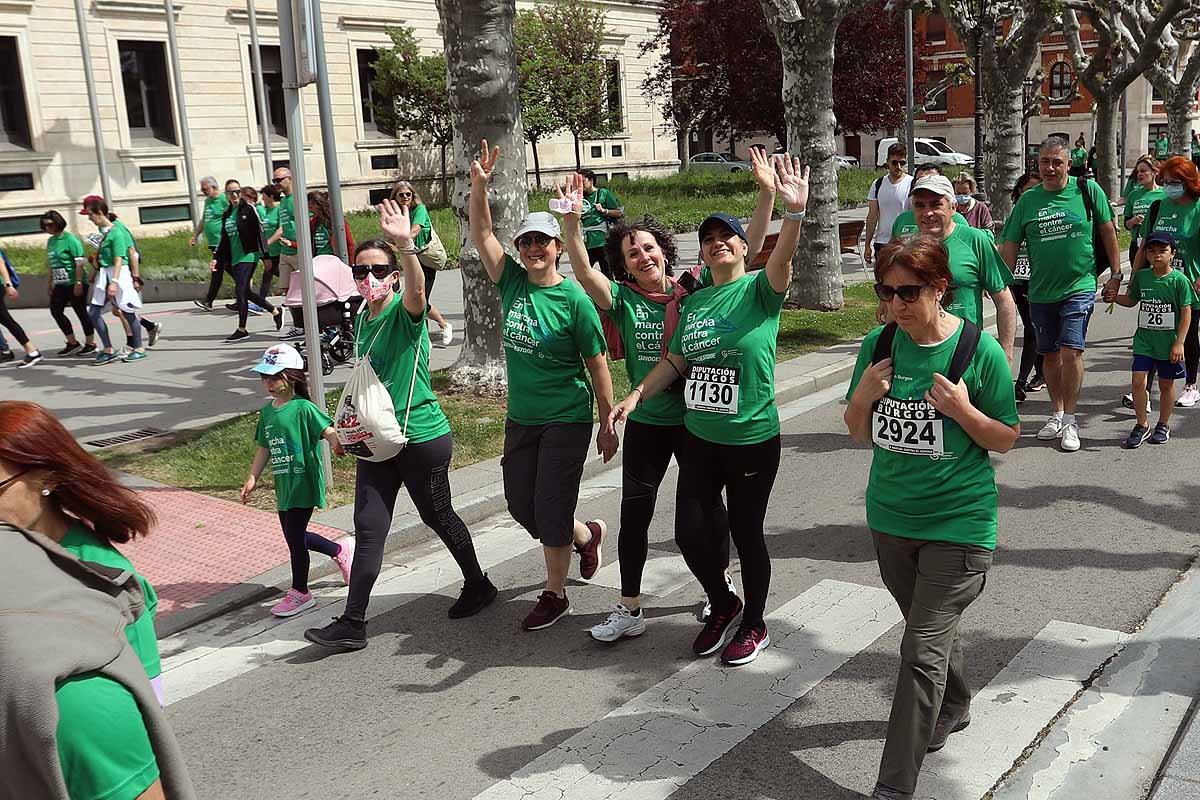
1174	191
375	289
962	199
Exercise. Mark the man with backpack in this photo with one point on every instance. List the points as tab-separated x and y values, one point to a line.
887	198
1067	226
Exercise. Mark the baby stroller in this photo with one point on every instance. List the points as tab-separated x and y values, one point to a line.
338	301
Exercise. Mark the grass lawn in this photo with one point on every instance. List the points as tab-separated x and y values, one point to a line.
215	461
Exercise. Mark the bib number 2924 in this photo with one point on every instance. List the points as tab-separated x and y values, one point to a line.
918	437
713	389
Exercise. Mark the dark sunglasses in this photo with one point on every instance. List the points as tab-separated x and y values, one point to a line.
233	191
380	271
404	194
531	239
909	293
899	163
278	180
10	481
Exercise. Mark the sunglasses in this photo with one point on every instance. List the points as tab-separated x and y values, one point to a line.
531	239
899	163
232	192
404	194
909	293
278	180
380	271
10	481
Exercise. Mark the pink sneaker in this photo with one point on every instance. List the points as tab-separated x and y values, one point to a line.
293	603
345	558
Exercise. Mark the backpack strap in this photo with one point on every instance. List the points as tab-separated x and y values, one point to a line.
1153	217
878	183
883	345
964	351
1087	196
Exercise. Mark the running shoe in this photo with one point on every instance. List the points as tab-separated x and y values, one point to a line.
6	356
155	334
255	309
203	305
237	335
746	644
1036	383
706	609
1019	391
1161	435
620	623
343	633
712	637
475	597
105	358
70	350
447	334
293	603
1189	397
277	318
590	555
345	558
550	609
87	350
134	355
30	359
888	793
1051	430
1069	442
292	334
947	724
1136	436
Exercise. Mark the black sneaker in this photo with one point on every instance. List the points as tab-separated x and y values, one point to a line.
1136	436
475	596
1161	435
70	350
231	306
30	360
203	304
343	633
6	355
155	334
1036	383
1019	391
237	335
278	317
87	350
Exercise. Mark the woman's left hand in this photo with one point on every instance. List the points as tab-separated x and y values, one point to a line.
10	291
396	223
764	173
949	398
1196	285
791	182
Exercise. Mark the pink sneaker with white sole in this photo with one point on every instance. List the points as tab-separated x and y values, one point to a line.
293	603
345	558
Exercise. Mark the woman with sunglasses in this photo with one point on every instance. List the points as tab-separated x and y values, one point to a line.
430	253
68	283
239	250
931	495
552	342
391	331
724	348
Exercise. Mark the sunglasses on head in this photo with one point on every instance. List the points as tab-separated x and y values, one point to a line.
380	271
908	293
531	239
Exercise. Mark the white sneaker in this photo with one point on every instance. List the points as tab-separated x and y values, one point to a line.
447	334
1189	397
620	623
1070	437
706	610
1051	430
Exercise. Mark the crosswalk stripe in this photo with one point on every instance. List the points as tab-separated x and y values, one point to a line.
662	575
655	743
1009	713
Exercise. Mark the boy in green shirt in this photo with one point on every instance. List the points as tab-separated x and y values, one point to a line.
1165	297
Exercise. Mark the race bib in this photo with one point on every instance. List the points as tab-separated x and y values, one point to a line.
1021	268
912	427
60	276
712	389
1156	316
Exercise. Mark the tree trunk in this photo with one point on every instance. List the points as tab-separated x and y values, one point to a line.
1108	172
484	104
1179	121
445	186
1003	149
537	164
575	136
682	137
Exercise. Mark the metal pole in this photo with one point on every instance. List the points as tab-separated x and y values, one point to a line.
295	129
93	106
980	193
909	142
264	103
333	179
185	136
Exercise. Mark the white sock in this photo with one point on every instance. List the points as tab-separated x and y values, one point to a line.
1068	419
1057	415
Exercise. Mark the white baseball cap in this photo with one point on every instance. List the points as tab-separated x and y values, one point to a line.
539	222
278	358
938	184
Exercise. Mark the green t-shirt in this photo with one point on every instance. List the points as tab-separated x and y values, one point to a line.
642	323
976	266
727	334
1158	315
1138	201
1078	157
548	332
595	224
944	488
116	243
1181	220
270	225
237	251
1162	147
287	221
61	251
420	216
140	633
392	359
322	241
906	224
1059	235
214	209
292	436
103	746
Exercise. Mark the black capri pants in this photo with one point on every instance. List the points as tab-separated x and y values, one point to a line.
543	466
62	296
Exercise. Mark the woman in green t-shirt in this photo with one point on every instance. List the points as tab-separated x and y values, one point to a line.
724	348
1079	157
320	225
1141	195
552	342
931	495
271	196
1031	359
391	332
430	253
68	283
239	250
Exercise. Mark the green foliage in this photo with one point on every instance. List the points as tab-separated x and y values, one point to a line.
414	88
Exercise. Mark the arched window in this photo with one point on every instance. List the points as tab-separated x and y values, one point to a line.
1061	90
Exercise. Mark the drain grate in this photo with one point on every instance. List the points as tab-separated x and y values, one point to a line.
126	438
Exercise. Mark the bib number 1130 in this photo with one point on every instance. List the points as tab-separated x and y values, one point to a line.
713	389
920	437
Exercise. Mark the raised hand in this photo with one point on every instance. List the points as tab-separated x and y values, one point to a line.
571	191
481	168
396	224
791	182
764	173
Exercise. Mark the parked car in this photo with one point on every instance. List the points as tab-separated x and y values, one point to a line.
929	151
717	162
845	162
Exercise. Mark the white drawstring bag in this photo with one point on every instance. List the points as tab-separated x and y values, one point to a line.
365	419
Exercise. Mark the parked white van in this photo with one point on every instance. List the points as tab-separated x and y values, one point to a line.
929	151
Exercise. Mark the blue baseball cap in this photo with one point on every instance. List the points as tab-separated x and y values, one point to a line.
1162	237
732	223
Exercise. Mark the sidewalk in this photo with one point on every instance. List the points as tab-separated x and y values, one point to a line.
1179	778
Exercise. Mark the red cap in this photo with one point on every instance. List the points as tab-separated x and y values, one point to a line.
83	212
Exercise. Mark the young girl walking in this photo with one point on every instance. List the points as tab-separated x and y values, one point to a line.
289	433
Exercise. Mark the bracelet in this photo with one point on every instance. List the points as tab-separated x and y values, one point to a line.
794	216
638	389
412	251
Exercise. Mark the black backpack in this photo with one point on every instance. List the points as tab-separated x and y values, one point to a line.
964	351
1098	250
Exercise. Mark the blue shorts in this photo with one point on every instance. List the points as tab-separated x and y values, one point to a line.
1062	324
1167	370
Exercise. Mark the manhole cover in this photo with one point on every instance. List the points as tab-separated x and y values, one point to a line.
125	438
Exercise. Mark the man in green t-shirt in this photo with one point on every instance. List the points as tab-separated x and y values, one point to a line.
600	206
209	223
1054	222
1162	146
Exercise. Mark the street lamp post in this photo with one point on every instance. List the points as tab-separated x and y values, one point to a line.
980	29
1027	95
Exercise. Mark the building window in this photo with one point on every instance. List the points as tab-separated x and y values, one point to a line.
368	98
180	212
158	174
17	226
1061	79
612	89
14	114
377	196
1155	94
935	29
937	104
618	151
16	182
282	162
597	151
273	83
387	161
147	91
619	176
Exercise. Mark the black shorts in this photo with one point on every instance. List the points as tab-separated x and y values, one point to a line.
543	466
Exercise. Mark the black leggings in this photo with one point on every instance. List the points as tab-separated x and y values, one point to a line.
215	279
423	469
747	474
648	450
63	295
242	273
1030	357
300	540
6	319
270	270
